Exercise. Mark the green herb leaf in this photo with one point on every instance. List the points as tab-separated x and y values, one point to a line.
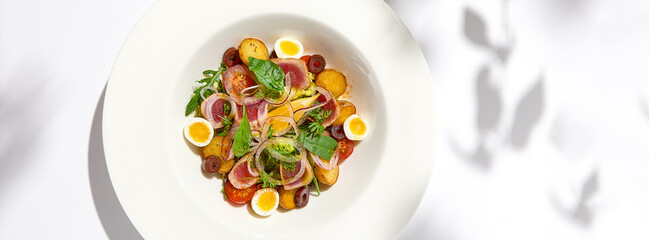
268	73
227	124
290	166
320	145
226	196
271	162
271	130
315	182
243	136
315	128
319	114
267	181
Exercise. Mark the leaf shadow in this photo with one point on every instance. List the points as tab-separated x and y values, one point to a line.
481	157
527	115
114	220
584	213
581	212
475	28
644	107
20	121
489	102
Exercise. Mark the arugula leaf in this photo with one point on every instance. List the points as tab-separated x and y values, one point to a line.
268	73
243	136
320	145
213	78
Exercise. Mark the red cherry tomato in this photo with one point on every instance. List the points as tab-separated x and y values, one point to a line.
305	58
345	147
239	196
236	79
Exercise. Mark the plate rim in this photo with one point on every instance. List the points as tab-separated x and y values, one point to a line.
110	105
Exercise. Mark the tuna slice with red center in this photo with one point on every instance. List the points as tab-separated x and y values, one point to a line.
298	70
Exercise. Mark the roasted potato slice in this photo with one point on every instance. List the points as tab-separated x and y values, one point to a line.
346	109
252	47
226	166
214	147
332	80
287	198
329	177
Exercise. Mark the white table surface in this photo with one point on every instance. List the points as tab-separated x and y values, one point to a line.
543	118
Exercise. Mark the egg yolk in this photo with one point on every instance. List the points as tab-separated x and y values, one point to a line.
267	201
199	132
357	126
289	48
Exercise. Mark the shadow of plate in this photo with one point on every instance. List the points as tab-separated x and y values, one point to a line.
111	214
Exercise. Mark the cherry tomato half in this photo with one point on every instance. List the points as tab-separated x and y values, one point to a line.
240	195
305	58
346	147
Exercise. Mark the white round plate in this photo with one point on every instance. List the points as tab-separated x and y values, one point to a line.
157	175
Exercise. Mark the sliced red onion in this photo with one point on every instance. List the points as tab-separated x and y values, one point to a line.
256	135
244	92
293	142
262	114
251	163
260	166
203	91
307	177
230	138
322	91
270	120
206	109
249	100
329	165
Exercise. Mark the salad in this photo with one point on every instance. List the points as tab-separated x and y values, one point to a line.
274	125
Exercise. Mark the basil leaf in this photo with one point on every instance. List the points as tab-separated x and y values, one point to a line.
268	73
320	145
243	136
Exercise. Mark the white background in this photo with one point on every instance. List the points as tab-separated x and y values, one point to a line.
542	105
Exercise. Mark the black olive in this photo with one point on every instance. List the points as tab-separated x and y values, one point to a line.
211	164
301	197
273	54
231	57
338	132
316	63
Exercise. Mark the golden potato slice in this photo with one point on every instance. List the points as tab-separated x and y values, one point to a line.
287	198
332	80
252	47
214	147
226	166
346	109
329	177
